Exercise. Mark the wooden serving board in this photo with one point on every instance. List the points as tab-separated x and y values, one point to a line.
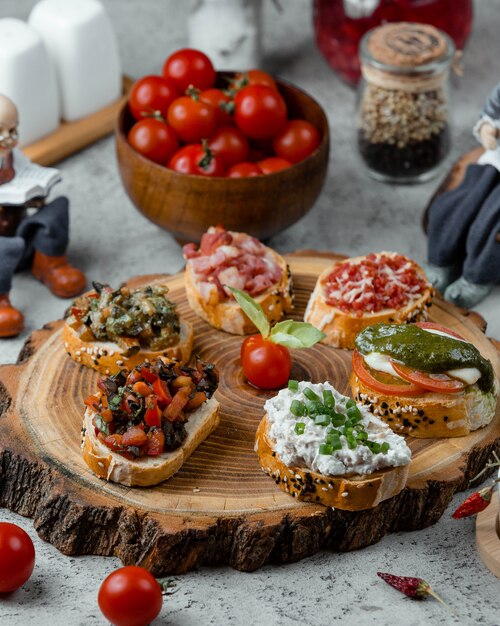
488	536
219	508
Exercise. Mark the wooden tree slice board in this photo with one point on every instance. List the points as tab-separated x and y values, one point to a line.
220	507
488	536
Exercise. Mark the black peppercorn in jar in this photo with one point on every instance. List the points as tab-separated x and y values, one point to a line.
403	118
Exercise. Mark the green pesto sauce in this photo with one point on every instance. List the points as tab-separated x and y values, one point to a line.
425	351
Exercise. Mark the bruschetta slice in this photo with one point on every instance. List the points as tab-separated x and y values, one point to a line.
355	293
112	329
231	259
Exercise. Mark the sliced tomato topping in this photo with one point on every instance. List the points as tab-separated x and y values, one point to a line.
134	436
152	417
440	328
361	371
442	383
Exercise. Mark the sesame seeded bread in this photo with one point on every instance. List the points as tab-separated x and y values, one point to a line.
108	358
147	470
430	415
228	315
347	492
341	328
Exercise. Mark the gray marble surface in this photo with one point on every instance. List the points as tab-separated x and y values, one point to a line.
354	215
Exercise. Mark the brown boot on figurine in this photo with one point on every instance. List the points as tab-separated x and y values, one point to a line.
63	280
11	320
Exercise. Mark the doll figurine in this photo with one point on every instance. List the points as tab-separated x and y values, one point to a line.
464	223
38	237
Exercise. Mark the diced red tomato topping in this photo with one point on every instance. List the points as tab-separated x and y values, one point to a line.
156	442
152	417
134	436
92	402
160	388
178	403
115	442
148	375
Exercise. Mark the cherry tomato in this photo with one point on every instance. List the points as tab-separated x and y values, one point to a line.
273	164
150	95
130	596
222	104
441	383
153	139
195	159
260	111
296	141
17	557
361	371
244	170
266	365
189	67
252	77
191	118
229	144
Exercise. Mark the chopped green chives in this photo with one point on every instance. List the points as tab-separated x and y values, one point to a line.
310	395
338	419
362	436
374	446
325	448
313	407
322	420
299	428
328	398
350	403
297	408
293	385
353	413
337	444
351	442
384	448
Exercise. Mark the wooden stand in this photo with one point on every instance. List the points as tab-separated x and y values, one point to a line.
219	508
71	137
488	536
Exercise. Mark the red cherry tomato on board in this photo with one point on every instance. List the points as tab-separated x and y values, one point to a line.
195	159
266	365
17	557
260	111
130	596
244	170
252	77
191	118
222	104
229	144
189	67
150	95
273	164
296	141
153	139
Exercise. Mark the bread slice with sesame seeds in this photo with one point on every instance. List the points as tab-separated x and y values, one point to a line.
349	492
109	358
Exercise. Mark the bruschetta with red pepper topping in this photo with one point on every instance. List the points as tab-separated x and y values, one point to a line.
358	292
142	425
228	259
111	329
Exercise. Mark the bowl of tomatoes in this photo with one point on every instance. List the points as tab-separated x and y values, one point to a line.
196	147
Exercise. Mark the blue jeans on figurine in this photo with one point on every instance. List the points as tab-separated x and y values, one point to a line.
464	223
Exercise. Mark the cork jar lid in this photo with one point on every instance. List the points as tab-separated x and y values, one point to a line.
406	44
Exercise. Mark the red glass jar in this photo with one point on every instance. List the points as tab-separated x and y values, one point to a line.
340	25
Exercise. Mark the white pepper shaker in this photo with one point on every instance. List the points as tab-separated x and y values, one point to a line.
228	31
82	45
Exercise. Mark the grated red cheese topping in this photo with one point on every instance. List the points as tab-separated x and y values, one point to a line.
229	259
378	281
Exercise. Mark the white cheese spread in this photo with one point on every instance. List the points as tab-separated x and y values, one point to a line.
303	449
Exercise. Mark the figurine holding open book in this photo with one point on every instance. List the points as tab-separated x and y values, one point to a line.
31	232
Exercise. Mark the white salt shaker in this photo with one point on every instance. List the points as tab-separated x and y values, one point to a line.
228	31
28	79
82	45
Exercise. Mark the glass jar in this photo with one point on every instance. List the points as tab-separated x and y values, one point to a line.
403	102
340	24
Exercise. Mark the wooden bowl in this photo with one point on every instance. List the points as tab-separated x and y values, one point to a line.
262	206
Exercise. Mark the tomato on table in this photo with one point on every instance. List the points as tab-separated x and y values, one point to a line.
244	170
296	141
273	164
152	95
130	596
260	111
198	160
440	383
229	144
266	365
223	106
396	389
153	139
17	557
192	119
189	67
